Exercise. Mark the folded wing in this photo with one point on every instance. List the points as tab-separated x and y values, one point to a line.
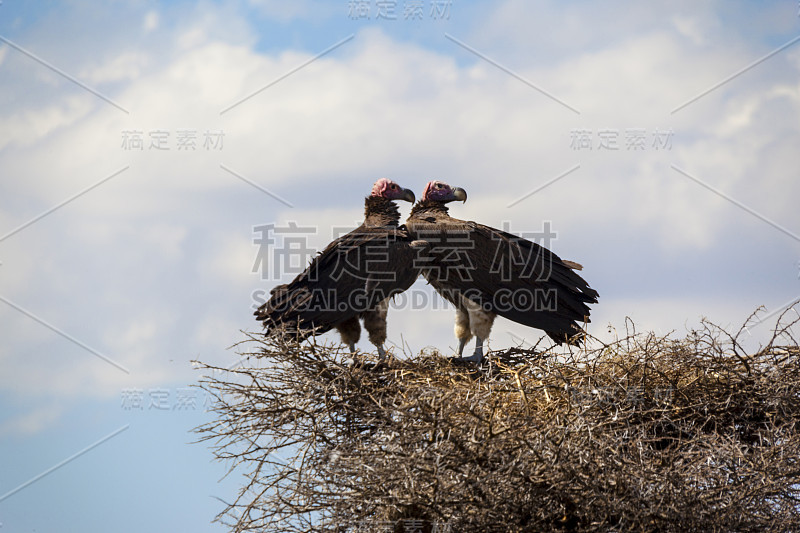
352	275
509	276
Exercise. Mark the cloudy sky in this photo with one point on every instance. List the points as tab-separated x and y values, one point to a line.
142	146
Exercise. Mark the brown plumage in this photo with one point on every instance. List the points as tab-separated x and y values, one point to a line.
352	278
486	272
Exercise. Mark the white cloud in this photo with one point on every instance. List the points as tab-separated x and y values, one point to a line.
151	21
31	421
127	66
691	27
305	9
28	126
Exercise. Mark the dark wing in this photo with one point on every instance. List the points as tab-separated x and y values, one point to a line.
351	275
507	275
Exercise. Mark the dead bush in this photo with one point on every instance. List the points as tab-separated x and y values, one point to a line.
647	433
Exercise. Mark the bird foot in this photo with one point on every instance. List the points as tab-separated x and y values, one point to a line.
476	357
471	359
352	360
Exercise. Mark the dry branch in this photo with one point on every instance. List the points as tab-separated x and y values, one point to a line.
647	433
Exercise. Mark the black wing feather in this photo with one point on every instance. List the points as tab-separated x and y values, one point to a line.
351	275
507	275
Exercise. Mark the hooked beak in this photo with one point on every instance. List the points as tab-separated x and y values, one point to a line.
408	195
460	194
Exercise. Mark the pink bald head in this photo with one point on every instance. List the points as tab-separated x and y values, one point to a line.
439	191
389	189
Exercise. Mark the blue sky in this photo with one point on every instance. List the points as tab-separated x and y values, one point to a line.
144	259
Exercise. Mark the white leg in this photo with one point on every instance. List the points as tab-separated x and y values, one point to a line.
461	343
461	329
352	360
480	324
375	324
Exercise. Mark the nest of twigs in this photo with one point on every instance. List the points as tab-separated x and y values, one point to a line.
648	433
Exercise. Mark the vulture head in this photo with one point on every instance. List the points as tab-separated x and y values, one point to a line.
439	191
388	189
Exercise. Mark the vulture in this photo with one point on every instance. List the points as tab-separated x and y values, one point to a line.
351	279
485	272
